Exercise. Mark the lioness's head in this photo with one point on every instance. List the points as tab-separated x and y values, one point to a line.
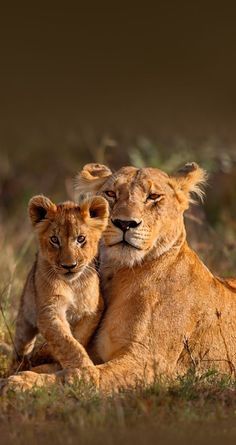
146	207
69	233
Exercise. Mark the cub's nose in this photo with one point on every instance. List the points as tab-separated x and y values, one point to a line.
126	225
69	266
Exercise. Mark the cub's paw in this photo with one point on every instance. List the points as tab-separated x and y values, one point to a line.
88	375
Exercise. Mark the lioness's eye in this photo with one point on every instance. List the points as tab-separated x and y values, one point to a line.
81	239
110	193
155	197
54	240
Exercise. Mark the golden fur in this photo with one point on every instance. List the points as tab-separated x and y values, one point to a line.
165	310
61	297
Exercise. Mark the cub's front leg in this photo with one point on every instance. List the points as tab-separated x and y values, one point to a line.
53	325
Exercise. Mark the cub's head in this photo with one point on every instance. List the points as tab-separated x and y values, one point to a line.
146	207
69	233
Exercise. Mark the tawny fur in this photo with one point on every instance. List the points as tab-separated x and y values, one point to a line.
63	304
166	312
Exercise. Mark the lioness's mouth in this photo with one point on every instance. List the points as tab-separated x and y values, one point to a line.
125	244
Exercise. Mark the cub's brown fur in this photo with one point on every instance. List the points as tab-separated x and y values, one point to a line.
61	297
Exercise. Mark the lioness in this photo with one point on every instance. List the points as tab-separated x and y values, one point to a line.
165	310
61	298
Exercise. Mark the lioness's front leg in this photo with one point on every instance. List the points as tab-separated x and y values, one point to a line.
126	371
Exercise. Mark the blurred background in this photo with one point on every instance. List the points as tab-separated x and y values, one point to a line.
117	84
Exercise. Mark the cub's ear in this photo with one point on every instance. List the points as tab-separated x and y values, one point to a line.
189	181
94	211
91	178
38	208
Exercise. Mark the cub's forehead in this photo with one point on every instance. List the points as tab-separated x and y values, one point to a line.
143	178
67	219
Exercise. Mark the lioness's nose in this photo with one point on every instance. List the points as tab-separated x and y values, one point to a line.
126	225
69	266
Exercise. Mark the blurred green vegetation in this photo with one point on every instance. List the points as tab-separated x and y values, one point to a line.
190	410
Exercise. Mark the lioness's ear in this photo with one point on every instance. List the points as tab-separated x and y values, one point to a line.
91	178
38	208
189	181
94	211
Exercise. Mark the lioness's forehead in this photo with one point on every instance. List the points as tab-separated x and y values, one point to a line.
143	178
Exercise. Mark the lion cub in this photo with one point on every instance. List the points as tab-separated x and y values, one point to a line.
61	297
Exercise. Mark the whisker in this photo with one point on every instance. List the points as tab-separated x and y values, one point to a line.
93	270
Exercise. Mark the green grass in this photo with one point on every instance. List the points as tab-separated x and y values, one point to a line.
206	405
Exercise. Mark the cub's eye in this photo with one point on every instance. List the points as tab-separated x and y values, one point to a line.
155	197
81	239
110	194
54	240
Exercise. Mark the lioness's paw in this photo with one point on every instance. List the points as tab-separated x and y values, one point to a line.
25	381
15	383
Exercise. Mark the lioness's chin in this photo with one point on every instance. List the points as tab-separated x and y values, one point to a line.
124	255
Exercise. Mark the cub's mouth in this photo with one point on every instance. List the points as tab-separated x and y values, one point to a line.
71	275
